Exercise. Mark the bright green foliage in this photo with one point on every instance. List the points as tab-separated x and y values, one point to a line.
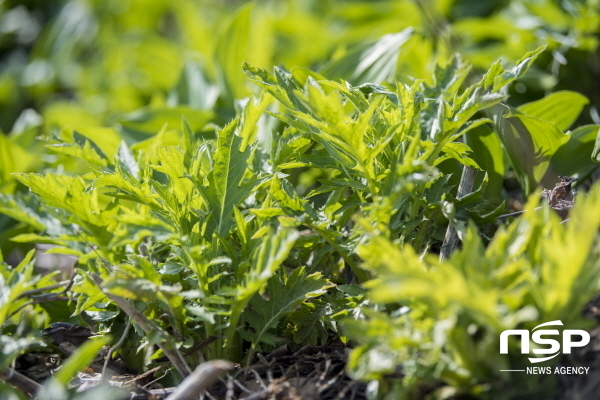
224	192
561	108
531	143
536	145
264	316
533	271
253	208
205	231
370	62
380	146
14	282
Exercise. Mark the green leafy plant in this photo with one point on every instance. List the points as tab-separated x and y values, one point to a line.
197	232
456	310
227	210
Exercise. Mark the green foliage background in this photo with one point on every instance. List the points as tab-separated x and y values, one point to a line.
258	205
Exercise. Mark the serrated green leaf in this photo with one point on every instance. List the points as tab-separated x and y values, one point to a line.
226	189
283	299
449	78
13	158
172	165
507	76
268	82
250	116
459	152
85	142
287	197
309	328
194	89
17	209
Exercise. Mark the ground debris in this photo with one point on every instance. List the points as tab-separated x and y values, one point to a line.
311	372
560	199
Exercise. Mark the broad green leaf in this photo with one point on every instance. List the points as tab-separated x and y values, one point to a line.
310	328
575	156
369	63
489	155
531	144
561	108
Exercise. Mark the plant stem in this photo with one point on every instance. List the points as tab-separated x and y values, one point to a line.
147	326
467	181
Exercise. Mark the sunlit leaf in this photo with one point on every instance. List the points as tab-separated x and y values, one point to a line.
369	63
561	108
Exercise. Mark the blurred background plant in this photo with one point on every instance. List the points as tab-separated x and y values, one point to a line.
91	62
